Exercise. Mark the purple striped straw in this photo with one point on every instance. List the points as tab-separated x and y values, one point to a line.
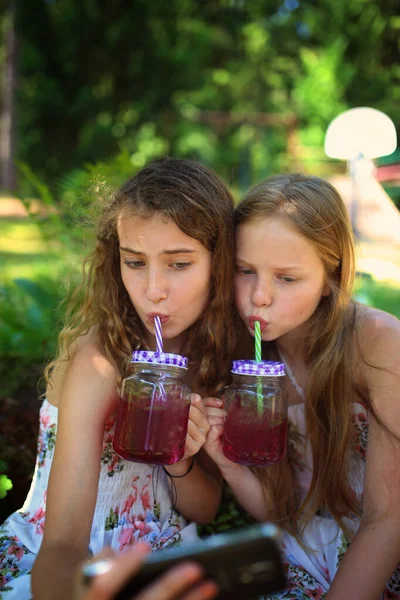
159	342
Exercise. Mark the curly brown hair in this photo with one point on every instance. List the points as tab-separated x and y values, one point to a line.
201	205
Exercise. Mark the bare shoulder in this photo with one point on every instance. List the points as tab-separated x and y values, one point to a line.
88	391
378	335
89	360
86	366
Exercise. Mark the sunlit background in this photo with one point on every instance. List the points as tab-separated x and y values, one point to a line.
91	90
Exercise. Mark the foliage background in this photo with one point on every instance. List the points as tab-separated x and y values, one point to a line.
245	86
97	78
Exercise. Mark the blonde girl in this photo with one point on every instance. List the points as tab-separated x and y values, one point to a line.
337	492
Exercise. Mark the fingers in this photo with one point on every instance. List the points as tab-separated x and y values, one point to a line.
205	591
213	445
216	412
198	415
176	582
215	416
202	416
195	440
120	569
213	402
215	433
197	401
216	421
198	437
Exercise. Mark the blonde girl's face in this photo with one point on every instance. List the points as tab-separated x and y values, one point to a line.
279	277
166	273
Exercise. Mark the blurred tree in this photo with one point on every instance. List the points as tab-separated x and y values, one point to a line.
97	78
7	115
351	59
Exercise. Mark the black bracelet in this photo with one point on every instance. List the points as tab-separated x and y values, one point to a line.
179	476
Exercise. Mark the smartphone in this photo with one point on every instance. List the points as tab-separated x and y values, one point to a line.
245	564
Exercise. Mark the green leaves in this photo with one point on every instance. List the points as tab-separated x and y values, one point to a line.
381	295
29	319
147	75
5	486
230	515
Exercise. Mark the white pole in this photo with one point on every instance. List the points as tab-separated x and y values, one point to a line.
353	167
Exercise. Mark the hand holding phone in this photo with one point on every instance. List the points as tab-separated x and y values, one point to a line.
244	564
105	575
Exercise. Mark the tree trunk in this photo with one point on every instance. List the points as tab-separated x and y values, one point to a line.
7	115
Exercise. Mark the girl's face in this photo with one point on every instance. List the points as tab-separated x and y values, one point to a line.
166	273
279	277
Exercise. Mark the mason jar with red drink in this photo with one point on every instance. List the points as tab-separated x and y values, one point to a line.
255	432
153	411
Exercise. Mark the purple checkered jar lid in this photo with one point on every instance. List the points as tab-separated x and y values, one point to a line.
159	358
265	368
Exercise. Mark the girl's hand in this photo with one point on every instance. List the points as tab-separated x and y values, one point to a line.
213	446
173	585
198	428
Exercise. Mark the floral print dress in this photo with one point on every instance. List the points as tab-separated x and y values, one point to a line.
133	502
311	570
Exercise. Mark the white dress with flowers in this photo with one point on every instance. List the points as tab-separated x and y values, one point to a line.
133	502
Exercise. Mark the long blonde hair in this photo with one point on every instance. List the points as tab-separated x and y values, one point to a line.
313	208
200	204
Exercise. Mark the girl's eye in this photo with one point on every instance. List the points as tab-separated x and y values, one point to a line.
245	271
180	266
134	264
287	279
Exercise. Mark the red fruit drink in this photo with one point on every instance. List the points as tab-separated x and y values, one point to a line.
255	431
153	411
251	439
151	430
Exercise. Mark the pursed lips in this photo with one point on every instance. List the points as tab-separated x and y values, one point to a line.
263	323
163	318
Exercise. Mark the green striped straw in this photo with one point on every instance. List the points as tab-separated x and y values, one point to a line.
257	340
257	347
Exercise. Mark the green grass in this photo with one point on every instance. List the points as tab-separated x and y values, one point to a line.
36	266
25	252
382	295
